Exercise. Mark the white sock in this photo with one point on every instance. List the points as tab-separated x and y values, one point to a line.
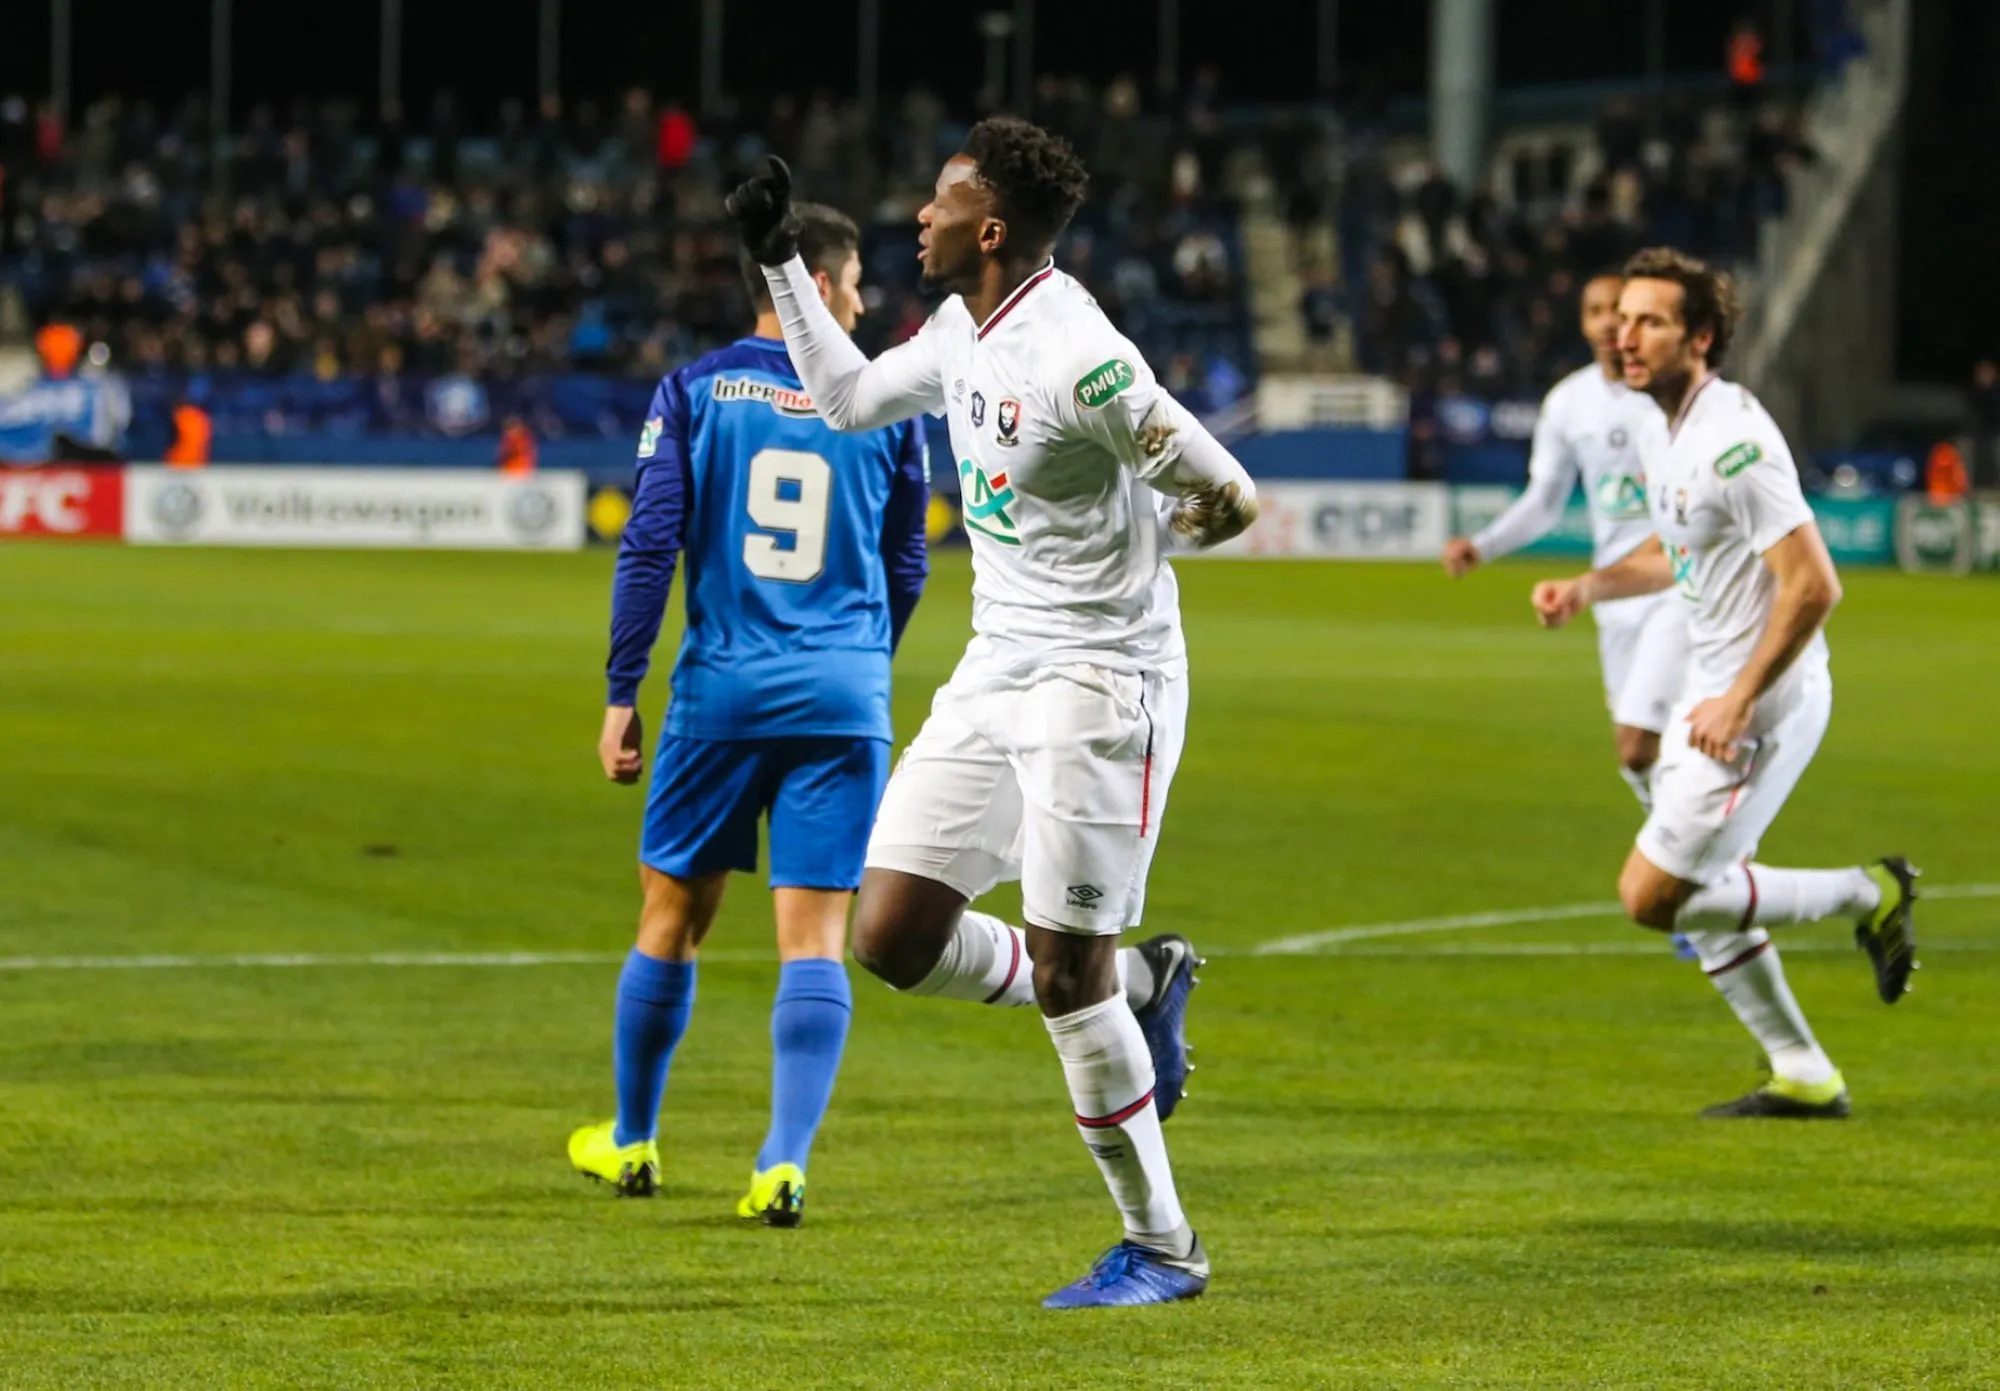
1757	895
1110	1076
1744	966
986	961
1641	784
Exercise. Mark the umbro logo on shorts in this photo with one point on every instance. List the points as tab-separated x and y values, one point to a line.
1084	895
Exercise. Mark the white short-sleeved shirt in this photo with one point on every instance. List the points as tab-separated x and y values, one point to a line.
1724	489
1057	424
1589	428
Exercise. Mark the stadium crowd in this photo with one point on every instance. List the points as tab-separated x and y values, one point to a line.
1449	288
569	239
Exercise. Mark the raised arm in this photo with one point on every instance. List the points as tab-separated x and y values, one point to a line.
850	392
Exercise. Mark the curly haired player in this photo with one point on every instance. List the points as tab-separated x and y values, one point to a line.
1048	755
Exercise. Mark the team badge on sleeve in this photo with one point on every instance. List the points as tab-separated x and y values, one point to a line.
1104	381
1007	415
649	436
1736	458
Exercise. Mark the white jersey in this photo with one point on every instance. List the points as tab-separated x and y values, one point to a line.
1724	490
1057	426
1588	429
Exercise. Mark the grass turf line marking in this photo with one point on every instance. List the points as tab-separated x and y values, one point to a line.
1308	944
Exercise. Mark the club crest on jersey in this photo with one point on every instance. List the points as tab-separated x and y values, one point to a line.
1736	458
1681	506
1007	415
986	498
1619	439
1104	381
978	410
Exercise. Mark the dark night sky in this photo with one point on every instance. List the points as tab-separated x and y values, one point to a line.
486	50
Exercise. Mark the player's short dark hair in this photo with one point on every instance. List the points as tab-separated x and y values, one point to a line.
827	237
1036	178
1708	296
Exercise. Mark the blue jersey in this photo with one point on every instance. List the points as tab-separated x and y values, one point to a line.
805	554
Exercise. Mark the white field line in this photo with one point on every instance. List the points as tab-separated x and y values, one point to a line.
1307	944
1312	942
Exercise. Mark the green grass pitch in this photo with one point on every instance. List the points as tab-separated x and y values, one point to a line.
1446	1158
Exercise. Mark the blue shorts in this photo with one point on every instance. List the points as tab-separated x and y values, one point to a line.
820	792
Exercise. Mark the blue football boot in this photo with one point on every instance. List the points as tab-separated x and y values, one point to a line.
1163	1020
1130	1274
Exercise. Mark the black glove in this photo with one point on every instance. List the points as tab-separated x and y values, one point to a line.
762	208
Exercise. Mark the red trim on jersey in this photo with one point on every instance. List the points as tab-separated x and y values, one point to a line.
1750	912
1013	968
1118	1117
1680	417
1750	955
1020	292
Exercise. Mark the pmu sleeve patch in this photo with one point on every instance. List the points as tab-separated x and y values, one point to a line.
1737	457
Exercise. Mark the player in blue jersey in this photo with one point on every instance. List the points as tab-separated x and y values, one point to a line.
804	559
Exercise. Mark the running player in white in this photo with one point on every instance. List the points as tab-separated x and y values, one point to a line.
1049	754
1589	427
1735	536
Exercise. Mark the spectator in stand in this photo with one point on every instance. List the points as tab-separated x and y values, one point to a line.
1621	139
1985	410
517	453
1321	308
1743	59
1435	200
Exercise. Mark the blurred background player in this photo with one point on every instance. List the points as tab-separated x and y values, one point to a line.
805	558
1735	535
1049	754
1589	429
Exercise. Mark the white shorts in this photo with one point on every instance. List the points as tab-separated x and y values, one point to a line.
1709	815
1642	645
1058	781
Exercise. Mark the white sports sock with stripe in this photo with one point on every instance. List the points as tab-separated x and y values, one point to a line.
1110	1076
1744	967
986	961
1758	896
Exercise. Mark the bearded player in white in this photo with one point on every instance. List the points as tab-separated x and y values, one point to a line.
1735	536
1049	754
1589	428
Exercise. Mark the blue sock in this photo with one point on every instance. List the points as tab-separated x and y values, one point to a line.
808	1031
655	998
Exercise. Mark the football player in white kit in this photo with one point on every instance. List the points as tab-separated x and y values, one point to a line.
1048	755
1734	535
1589	428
